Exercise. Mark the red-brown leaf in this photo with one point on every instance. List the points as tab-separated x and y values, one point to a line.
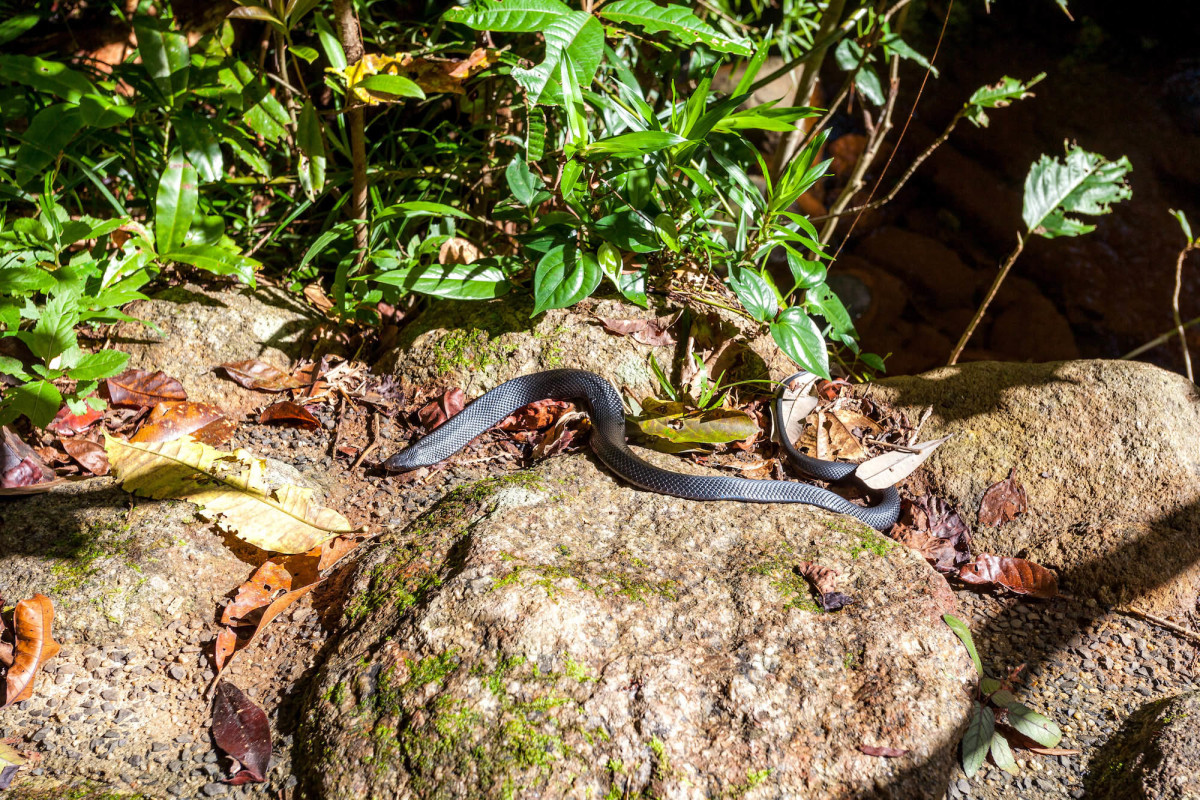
945	555
135	388
87	454
536	416
241	730
825	581
288	413
1016	574
255	374
1002	501
644	331
20	465
885	752
32	623
203	421
438	411
67	424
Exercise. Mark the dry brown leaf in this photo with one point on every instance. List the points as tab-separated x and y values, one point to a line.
21	468
204	422
1016	574
945	555
825	580
316	295
643	331
885	752
888	469
285	412
241	730
1003	501
438	411
136	388
67	424
536	416
457	250
265	377
88	454
33	620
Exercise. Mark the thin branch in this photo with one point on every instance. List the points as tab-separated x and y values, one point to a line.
1161	339
1187	357
991	295
352	43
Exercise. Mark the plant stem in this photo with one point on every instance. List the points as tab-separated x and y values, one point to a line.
1187	357
1012	257
1161	339
352	43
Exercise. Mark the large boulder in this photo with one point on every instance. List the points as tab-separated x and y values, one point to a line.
1108	452
556	633
1155	755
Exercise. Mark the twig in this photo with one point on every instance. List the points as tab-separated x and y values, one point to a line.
374	442
1186	633
1161	339
958	348
889	446
352	43
1187	357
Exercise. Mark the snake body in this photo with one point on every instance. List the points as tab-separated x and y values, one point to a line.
608	443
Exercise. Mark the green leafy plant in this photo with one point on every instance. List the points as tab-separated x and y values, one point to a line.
995	712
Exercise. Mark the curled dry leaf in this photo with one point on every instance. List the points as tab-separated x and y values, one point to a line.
945	555
67	424
229	488
885	752
293	415
136	388
241	730
643	331
436	412
204	422
457	250
536	416
22	470
565	433
1016	574
1003	501
34	646
933	514
256	374
825	581
88	454
888	469
834	434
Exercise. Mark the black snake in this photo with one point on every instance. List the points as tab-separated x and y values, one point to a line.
608	442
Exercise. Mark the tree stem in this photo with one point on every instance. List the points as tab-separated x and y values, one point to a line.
1187	357
991	295
352	43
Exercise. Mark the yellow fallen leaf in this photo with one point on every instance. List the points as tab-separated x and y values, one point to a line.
229	488
433	75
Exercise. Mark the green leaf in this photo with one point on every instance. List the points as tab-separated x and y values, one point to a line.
482	280
201	146
509	16
978	739
175	202
393	85
849	56
16	25
1184	225
101	364
800	338
765	119
54	332
637	143
677	20
674	423
535	135
576	35
570	176
1002	754
312	150
822	298
996	95
420	208
964	635
257	13
216	260
564	276
522	182
308	54
39	401
330	44
632	286
100	112
1082	183
46	138
665	225
805	272
1032	724
164	54
754	293
46	76
13	366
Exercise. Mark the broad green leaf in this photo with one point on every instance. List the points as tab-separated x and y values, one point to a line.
665	225
996	95
754	293
257	13
13	366
805	272
201	146
11	29
673	422
54	332
522	182
564	276
569	177
38	400
896	45
535	135
175	202
216	260
46	138
206	230
800	339
631	285
25	279
480	280
100	112
262	112
101	364
46	76
164	54
964	635
509	16
229	488
575	34
636	143
1032	724
822	298
1002	754
675	19
849	56
1082	183
309	54
330	44
394	85
978	739
312	150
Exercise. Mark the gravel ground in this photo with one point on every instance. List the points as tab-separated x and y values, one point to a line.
1088	669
